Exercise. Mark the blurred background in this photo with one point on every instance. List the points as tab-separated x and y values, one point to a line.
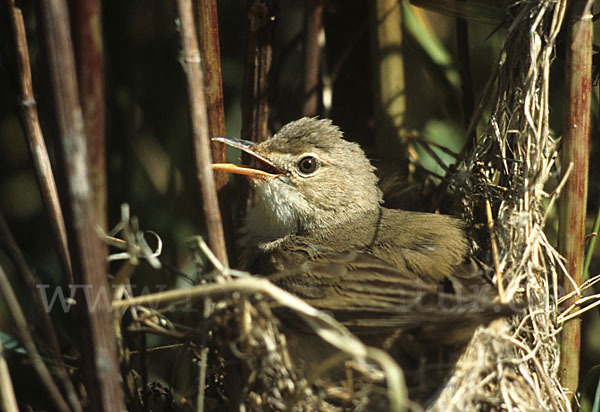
149	160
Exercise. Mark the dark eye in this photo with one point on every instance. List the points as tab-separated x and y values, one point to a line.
308	165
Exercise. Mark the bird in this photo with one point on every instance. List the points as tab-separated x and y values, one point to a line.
401	280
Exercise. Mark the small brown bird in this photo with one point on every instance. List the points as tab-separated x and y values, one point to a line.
320	231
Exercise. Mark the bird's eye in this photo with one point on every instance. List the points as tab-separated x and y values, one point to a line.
308	165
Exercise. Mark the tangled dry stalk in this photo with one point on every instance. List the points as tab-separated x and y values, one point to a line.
513	365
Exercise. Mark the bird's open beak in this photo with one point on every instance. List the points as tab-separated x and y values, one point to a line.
267	167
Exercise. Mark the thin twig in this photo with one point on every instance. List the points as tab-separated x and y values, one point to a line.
563	319
417	138
211	257
434	156
35	140
199	126
88	252
495	254
159	348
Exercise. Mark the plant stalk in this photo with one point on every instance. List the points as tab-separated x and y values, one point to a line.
199	126
88	251
575	151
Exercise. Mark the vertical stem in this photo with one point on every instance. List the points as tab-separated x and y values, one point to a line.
255	88
575	150
88	251
259	53
199	125
210	52
255	127
390	98
312	52
47	186
202	366
35	141
87	35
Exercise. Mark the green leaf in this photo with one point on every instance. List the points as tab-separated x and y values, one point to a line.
590	376
480	11
11	344
596	405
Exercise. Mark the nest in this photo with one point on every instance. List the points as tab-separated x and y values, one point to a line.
511	364
514	365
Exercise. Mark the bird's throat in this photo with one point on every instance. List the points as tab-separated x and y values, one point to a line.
275	215
266	224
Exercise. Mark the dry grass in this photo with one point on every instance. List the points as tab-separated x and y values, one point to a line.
513	364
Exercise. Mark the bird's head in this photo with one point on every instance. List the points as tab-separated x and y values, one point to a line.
307	177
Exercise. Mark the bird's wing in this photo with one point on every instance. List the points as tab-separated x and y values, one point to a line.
371	297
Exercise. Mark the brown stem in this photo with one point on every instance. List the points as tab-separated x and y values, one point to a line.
47	186
210	52
87	35
575	151
35	141
259	53
255	88
199	126
312	51
88	252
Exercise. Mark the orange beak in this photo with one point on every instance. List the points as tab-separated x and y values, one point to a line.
270	169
